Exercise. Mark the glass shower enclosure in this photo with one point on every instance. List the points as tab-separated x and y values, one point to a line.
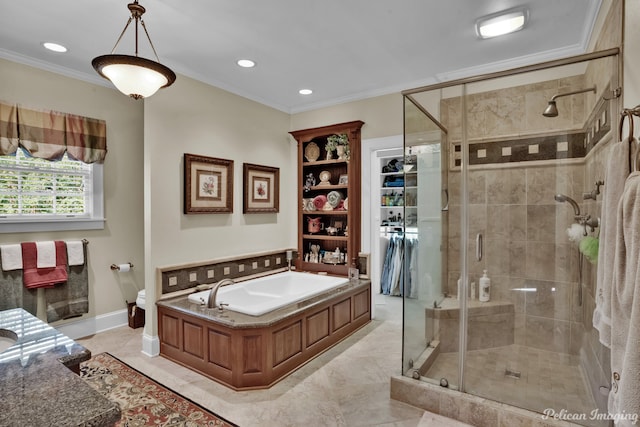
508	187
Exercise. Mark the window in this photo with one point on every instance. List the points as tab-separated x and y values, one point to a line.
44	195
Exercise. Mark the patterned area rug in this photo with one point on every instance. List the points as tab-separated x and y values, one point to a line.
143	401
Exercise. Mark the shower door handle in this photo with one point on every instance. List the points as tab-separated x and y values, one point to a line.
479	247
446	198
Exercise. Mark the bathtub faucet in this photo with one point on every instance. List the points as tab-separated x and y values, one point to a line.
211	303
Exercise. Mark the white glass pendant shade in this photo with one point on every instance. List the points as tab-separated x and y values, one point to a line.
132	75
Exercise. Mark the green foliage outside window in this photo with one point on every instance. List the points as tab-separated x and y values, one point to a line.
30	186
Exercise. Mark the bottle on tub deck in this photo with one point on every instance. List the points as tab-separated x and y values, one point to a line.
484	293
473	290
354	273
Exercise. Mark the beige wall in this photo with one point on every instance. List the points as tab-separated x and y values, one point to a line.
192	117
144	172
121	240
382	116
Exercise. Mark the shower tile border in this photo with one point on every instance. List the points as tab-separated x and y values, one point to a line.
558	146
569	144
187	276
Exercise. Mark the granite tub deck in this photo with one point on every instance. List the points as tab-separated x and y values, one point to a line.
247	352
39	386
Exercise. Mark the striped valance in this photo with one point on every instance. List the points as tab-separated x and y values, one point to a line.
48	134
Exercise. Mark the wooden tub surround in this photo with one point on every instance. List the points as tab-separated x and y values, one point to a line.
253	352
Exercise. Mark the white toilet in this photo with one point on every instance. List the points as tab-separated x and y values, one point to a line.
141	300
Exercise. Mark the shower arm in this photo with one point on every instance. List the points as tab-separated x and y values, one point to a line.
559	95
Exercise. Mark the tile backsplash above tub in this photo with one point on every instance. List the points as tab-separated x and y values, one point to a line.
182	277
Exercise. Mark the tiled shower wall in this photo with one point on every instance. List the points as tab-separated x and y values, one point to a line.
525	247
511	203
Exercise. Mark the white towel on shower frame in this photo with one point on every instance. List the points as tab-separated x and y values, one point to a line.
624	397
615	176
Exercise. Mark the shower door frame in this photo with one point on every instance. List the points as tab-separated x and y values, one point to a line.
464	166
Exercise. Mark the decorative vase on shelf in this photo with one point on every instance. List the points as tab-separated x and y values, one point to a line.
339	143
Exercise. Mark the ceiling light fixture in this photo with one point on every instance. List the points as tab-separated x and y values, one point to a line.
502	23
134	76
55	47
246	63
305	91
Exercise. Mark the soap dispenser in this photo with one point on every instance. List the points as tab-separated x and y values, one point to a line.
484	291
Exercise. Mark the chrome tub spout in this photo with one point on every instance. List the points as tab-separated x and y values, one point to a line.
211	303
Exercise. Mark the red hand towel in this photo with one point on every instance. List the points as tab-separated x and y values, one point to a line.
34	277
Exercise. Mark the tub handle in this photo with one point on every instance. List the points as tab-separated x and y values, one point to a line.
479	247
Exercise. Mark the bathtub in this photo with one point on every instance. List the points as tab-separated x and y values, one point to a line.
256	297
254	351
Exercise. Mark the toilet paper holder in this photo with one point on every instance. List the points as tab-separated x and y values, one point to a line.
117	267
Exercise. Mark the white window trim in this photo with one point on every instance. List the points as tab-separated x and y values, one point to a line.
95	222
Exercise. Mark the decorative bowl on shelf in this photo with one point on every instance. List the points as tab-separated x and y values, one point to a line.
325	176
312	152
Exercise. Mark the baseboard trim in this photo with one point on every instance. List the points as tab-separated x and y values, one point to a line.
150	345
93	325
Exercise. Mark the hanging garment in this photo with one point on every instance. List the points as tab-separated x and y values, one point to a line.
399	269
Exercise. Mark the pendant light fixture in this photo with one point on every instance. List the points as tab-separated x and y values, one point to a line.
134	76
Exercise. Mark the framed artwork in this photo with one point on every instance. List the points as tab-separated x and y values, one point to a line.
261	189
364	265
344	179
208	185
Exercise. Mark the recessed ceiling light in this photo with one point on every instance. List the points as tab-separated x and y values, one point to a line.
246	63
305	91
55	47
502	23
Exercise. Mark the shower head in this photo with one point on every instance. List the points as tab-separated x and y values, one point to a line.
561	198
552	109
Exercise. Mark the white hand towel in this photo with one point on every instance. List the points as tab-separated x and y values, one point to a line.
624	397
46	254
11	257
75	252
615	175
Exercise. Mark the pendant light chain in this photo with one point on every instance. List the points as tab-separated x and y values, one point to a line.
149	38
122	34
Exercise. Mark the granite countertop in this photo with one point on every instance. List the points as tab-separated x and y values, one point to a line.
233	319
38	387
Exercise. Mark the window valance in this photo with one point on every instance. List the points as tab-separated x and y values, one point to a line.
48	134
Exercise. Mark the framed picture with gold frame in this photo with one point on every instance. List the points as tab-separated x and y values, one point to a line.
364	265
208	185
261	189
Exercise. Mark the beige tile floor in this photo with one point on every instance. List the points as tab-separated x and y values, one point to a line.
347	385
